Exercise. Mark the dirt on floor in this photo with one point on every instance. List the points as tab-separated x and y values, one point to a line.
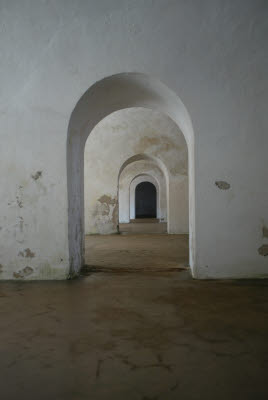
134	336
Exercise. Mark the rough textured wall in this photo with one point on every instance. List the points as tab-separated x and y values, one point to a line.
213	54
133	173
114	140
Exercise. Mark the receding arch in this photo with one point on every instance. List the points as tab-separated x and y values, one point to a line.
145	200
132	193
153	162
120	91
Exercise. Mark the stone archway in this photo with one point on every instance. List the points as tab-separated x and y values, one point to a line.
114	93
134	171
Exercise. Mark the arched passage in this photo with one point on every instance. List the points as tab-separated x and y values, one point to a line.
132	194
145	200
117	92
155	171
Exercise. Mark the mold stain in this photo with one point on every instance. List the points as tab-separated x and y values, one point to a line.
37	175
223	185
23	273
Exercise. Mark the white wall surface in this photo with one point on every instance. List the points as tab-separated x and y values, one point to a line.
212	54
117	138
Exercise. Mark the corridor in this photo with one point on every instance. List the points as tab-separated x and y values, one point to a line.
139	328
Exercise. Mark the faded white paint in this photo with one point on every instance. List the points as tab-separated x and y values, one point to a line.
212	55
157	141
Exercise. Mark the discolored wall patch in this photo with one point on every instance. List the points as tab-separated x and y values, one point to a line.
265	231
106	213
108	200
26	253
37	175
23	273
223	185
263	250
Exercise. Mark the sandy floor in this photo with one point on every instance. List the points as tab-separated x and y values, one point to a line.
134	336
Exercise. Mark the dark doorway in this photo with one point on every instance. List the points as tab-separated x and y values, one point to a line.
145	200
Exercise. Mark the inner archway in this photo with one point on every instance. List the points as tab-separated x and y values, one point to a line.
145	200
103	98
136	169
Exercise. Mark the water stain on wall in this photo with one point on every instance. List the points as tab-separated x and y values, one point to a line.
163	143
106	210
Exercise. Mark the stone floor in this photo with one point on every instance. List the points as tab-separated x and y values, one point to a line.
145	335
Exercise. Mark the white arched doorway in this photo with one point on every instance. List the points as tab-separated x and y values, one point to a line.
137	169
117	92
132	194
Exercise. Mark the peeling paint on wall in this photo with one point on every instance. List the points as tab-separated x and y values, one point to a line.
115	215
223	185
106	214
263	250
27	253
108	200
23	273
37	175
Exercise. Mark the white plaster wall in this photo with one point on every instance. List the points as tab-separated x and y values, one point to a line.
114	140
136	172
213	54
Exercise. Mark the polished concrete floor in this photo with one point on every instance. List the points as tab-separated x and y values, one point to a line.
141	335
